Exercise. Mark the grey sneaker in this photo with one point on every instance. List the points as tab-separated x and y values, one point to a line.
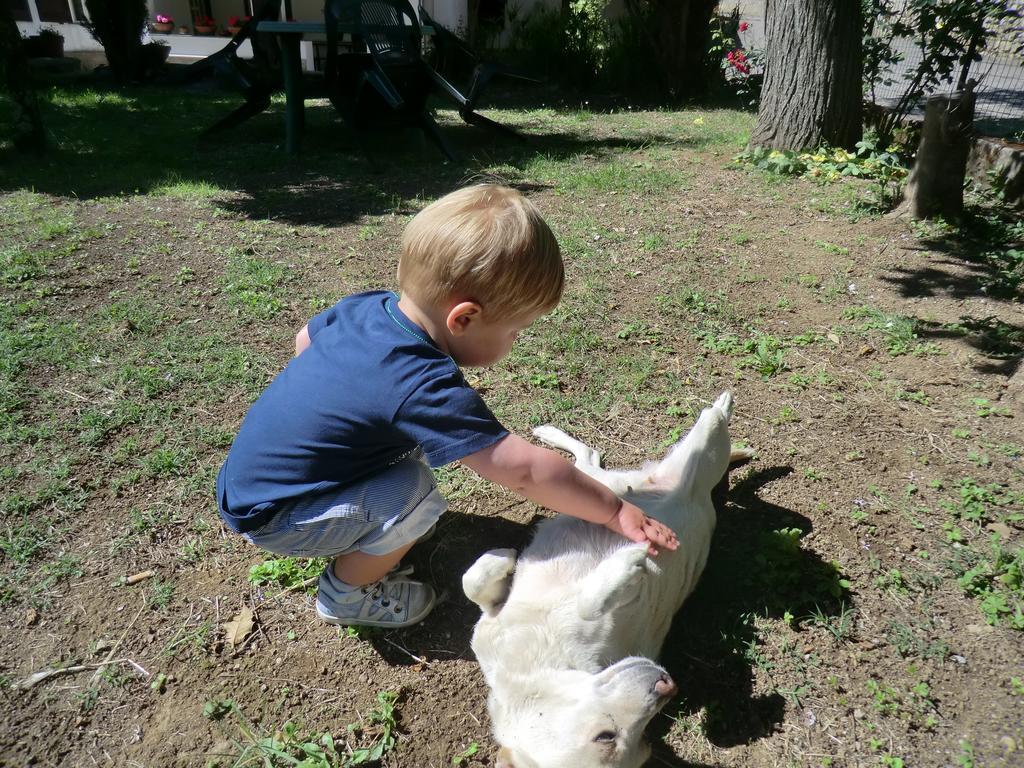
391	602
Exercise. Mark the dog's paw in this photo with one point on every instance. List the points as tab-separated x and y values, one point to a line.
740	456
488	580
725	405
616	581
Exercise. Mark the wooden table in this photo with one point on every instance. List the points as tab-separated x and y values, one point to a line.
290	33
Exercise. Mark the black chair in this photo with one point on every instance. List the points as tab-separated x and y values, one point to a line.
454	55
258	79
388	83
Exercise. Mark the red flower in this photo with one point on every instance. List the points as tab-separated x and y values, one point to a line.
744	26
738	60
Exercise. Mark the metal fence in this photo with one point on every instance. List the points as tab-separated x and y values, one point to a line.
999	109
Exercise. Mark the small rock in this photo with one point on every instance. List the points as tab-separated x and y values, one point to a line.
1008	743
958	658
1002	529
858	714
31	617
978	629
102	646
906	544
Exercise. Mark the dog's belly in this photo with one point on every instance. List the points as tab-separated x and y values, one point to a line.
540	618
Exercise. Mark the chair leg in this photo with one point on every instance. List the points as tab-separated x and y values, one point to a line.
252	107
430	127
475	118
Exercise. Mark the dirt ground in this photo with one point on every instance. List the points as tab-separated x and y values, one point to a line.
849	642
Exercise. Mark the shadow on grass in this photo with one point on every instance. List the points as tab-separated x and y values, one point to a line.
460	539
136	140
1000	343
983	254
756	569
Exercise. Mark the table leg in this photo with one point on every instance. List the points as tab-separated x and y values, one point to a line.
295	117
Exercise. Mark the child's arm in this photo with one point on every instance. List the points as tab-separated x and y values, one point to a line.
544	477
302	340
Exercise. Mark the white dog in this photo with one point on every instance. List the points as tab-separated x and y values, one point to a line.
566	646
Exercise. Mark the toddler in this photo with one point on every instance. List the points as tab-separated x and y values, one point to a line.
333	460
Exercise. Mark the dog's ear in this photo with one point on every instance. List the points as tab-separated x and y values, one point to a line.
488	580
616	581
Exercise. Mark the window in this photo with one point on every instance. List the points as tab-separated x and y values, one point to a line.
54	10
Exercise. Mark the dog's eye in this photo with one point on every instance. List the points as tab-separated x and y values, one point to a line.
604	737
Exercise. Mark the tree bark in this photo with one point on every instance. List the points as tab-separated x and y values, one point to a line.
812	85
935	186
28	123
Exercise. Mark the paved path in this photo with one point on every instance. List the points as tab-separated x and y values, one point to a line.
1000	92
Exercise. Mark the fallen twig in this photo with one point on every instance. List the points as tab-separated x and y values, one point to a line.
45	674
411	655
294	587
117	645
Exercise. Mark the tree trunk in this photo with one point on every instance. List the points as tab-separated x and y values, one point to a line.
935	186
812	85
28	123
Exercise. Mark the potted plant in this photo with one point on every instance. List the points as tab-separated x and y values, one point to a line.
47	43
235	24
204	25
163	24
152	58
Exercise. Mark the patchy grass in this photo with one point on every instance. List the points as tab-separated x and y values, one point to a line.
868	560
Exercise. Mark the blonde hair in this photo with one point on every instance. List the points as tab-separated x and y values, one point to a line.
485	243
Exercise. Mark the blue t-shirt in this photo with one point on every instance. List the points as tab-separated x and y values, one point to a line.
369	389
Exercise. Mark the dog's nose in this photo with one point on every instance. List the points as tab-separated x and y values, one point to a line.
665	686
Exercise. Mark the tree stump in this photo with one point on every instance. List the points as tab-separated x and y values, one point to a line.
935	186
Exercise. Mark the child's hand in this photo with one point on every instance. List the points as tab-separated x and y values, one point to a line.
632	523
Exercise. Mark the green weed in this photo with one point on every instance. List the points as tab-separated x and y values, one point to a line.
175	186
254	286
899	333
465	754
289	573
996	581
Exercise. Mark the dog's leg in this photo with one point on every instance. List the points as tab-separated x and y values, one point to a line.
487	581
616	581
702	457
587	458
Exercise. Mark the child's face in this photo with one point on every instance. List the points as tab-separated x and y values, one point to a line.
485	343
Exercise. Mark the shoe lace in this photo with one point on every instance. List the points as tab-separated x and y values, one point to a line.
379	595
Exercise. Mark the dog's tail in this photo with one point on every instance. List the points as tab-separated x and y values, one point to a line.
694	466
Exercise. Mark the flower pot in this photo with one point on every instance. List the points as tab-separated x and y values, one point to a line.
44	47
204	29
164	28
152	57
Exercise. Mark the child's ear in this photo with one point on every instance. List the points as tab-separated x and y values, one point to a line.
461	315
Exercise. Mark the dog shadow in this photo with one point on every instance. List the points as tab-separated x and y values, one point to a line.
460	539
756	569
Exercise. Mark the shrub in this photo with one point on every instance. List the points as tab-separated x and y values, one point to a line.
118	26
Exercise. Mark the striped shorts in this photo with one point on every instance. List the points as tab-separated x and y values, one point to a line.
378	515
